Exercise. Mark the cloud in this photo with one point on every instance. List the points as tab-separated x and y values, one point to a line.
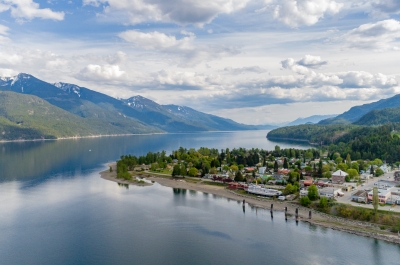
361	79
387	6
27	9
243	70
10	59
155	40
7	72
295	13
374	36
4	30
311	61
182	12
94	72
182	51
186	80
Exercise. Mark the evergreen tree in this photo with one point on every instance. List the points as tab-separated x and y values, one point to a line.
238	176
320	168
285	163
276	166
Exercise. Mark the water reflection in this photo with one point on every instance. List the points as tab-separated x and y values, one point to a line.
179	191
39	159
126	186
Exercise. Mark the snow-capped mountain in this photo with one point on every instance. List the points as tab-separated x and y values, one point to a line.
69	88
142	104
136	111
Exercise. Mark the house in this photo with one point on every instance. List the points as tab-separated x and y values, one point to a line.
339	176
323	183
278	176
303	192
283	171
305	183
365	176
359	196
330	192
261	170
385	168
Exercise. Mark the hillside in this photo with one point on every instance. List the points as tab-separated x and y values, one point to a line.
355	113
380	117
30	117
312	133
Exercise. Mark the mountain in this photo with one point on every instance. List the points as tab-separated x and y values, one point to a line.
380	117
102	113
355	113
211	121
30	117
155	114
310	120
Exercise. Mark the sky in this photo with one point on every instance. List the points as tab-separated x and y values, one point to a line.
253	61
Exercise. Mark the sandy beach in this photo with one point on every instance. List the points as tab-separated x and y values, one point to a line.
318	218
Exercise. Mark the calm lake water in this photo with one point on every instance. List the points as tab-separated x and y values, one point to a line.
55	209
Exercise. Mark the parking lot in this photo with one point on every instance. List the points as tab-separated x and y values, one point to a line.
369	185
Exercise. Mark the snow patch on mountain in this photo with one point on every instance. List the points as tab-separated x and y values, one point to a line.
139	102
69	88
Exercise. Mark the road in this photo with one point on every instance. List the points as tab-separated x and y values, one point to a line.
369	185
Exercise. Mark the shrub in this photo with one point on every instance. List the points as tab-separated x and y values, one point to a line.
305	201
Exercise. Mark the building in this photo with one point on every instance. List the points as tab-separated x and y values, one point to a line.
360	196
383	195
330	192
261	170
338	177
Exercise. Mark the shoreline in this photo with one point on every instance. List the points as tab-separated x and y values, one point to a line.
79	137
318	218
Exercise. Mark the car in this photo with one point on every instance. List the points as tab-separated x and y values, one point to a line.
281	198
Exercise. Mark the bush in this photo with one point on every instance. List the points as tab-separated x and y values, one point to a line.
305	201
312	192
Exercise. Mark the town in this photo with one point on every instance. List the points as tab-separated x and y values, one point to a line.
287	174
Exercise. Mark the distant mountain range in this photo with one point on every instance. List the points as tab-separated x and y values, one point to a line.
31	111
310	120
356	113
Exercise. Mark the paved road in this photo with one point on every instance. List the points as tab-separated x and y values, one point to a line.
369	185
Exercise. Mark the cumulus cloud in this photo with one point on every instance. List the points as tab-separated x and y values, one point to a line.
182	12
186	80
155	40
295	13
243	70
351	79
27	9
183	51
311	61
7	72
10	59
387	6
94	72
374	36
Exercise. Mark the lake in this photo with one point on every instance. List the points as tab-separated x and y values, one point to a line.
55	209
